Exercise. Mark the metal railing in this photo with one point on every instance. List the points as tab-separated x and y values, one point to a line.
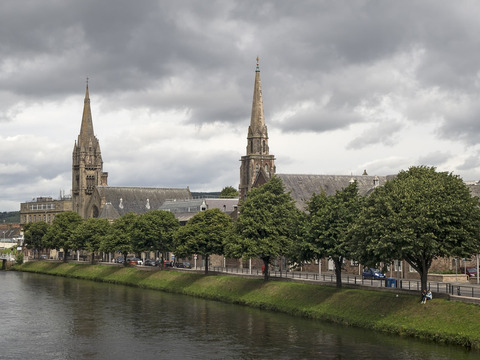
392	283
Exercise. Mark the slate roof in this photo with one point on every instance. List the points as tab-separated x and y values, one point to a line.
109	212
302	187
474	188
137	199
184	210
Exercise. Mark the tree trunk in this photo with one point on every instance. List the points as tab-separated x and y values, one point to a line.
266	270
423	278
125	259
206	264
65	253
338	271
93	258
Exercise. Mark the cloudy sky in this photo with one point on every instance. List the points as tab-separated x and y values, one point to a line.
347	86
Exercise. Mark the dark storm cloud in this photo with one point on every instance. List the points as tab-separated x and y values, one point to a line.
378	66
126	46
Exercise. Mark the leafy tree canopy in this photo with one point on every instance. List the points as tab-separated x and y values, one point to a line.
420	215
327	224
154	231
34	233
267	225
229	192
89	235
59	234
204	234
120	238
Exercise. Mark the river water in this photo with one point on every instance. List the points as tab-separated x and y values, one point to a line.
47	317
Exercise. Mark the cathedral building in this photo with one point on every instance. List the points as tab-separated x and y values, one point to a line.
91	194
258	165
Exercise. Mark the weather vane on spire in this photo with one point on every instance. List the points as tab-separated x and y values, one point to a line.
258	68
87	81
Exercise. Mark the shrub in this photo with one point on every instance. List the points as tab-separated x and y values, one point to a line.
19	259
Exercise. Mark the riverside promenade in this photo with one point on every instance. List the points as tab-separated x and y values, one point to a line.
455	291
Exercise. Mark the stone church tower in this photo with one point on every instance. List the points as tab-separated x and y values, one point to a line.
87	168
258	165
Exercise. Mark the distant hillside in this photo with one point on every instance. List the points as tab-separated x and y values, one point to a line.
10	217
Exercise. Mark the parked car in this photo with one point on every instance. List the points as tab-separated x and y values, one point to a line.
150	262
187	265
372	273
119	260
43	257
135	261
470	271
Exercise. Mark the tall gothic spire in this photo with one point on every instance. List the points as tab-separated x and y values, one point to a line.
257	166
257	121
86	130
87	165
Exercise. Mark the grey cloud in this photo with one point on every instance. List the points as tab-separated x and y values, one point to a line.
436	158
382	133
198	57
471	163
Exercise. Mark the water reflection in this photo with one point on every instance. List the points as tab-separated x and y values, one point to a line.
56	318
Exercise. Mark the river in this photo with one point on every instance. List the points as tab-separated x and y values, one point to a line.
47	317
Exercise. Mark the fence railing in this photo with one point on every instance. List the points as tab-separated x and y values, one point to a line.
392	283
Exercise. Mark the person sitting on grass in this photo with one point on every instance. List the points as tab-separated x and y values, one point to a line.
426	295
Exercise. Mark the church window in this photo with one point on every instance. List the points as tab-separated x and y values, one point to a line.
263	147
90	184
251	146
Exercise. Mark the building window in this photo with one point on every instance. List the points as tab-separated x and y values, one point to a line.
398	265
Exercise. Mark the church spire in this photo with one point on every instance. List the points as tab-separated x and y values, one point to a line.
257	121
257	166
86	130
87	165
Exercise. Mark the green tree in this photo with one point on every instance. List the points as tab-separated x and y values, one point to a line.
327	224
154	231
90	235
267	226
59	234
204	234
228	192
34	233
121	237
420	215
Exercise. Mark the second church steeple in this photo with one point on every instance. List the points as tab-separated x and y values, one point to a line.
258	165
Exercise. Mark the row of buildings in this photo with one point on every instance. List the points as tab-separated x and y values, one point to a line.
91	195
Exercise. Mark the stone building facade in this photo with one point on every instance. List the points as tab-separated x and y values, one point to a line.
44	209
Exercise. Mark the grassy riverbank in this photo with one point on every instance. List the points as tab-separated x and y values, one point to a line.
439	320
